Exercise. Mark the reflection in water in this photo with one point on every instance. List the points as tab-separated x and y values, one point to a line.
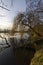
17	38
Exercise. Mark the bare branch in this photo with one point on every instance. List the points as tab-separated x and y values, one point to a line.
32	29
3	3
4	8
12	2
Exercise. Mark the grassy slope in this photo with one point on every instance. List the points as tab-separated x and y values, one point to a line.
38	57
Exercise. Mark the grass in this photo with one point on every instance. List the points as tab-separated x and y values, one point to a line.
38	58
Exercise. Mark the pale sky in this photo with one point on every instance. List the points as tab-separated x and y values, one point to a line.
6	17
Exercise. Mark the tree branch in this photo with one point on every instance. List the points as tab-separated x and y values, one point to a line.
5	8
32	29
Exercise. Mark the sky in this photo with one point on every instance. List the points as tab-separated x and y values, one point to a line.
6	17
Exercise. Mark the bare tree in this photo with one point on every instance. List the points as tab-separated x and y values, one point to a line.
32	5
21	20
17	22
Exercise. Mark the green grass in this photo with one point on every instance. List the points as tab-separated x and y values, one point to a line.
38	58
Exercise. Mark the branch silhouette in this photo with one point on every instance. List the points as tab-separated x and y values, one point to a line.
4	8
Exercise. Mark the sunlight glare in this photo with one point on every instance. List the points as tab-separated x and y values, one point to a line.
5	24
